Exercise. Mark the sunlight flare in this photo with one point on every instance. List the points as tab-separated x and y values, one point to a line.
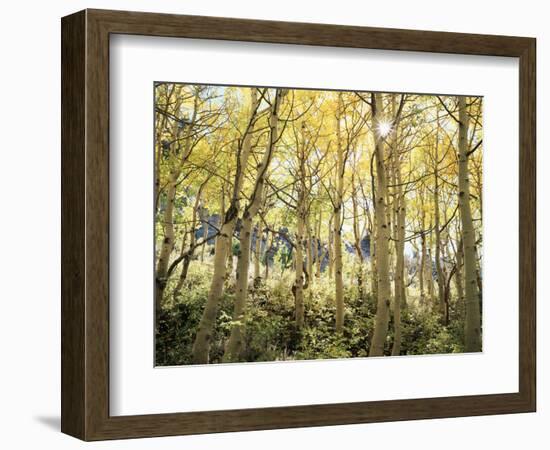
384	127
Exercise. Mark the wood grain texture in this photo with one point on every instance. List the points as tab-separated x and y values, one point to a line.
85	224
73	108
527	225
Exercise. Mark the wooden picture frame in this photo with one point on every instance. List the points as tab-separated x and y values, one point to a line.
85	224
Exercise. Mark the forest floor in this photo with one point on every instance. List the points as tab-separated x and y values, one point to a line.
270	330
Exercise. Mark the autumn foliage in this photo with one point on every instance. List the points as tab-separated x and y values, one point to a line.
302	224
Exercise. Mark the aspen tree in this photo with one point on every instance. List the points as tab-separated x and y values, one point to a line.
382	235
473	315
201	346
400	209
337	223
459	279
257	253
168	216
299	280
235	343
437	229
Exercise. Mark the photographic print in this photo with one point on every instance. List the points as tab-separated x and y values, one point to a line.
300	224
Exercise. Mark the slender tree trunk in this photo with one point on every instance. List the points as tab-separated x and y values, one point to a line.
382	238
429	270
266	254
188	255
257	254
184	269
235	343
372	231
400	301
319	254
201	346
337	230
160	127
357	240
459	280
167	243
372	252
373	269
423	250
168	218
421	270
309	250
330	247
338	275
230	263
473	313
299	281
356	233
437	230
399	289
298	286
204	235
446	279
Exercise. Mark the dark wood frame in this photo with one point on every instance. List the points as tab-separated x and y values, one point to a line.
85	224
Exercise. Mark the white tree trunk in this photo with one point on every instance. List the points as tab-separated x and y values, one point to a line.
382	238
201	346
473	315
235	343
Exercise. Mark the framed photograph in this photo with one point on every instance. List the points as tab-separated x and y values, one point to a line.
272	225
